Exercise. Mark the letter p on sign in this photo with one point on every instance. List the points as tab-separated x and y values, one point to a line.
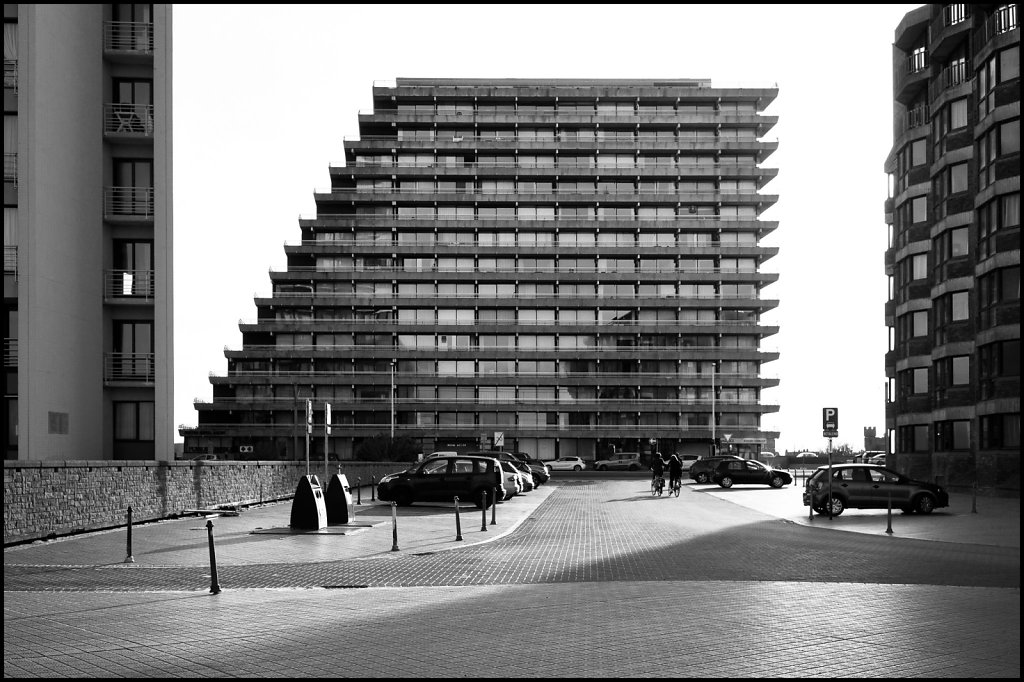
830	418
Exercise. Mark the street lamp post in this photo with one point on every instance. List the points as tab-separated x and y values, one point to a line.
392	401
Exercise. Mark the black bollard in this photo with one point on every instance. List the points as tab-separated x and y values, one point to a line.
494	508
373	489
394	527
458	523
359	492
974	499
888	528
129	559
214	584
483	509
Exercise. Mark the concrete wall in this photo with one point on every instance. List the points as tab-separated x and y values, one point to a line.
43	499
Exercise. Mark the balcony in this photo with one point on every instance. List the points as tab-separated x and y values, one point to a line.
128	203
128	120
131	37
11	260
952	75
11	353
1002	21
11	75
11	167
914	118
129	367
136	285
950	27
911	76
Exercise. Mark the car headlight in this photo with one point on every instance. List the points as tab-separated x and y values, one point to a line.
388	478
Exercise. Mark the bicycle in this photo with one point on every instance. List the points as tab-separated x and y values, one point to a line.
657	485
677	486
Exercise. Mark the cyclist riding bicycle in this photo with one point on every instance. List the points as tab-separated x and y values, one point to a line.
675	471
658	467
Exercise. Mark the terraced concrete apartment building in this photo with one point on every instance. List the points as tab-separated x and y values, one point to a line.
88	346
554	266
953	365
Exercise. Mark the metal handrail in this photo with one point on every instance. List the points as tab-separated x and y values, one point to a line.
10	352
129	201
556	247
401	376
129	367
532	269
560	163
1003	19
129	284
480	191
129	36
476	297
662	110
11	74
583	219
128	118
638	324
478	347
545	140
643	430
491	402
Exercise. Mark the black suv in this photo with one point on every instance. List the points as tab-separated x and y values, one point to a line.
440	479
729	472
702	469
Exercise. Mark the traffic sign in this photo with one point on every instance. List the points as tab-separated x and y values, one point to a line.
830	418
499	439
830	433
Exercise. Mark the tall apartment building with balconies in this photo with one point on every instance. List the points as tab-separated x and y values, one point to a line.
87	232
557	266
953	366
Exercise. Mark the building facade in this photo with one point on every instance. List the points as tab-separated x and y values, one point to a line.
953	365
562	267
87	232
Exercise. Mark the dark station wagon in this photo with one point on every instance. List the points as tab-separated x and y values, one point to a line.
441	479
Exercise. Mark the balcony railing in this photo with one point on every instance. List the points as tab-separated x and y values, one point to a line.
128	36
128	284
135	202
915	63
11	167
129	367
11	74
753	296
670	139
915	118
128	119
11	353
1002	20
956	73
362	218
11	260
403	376
712	167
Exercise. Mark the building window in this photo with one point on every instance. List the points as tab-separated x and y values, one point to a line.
912	438
1001	139
1000	432
953	435
950	308
1001	213
134	421
995	288
953	116
953	371
950	244
1001	67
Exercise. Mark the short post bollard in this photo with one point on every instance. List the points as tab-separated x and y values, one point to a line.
483	509
458	523
888	528
494	508
214	583
974	499
359	491
129	559
394	527
810	507
373	489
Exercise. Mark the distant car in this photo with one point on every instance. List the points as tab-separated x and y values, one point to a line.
870	486
629	461
513	480
440	479
731	472
541	472
527	475
876	459
702	469
567	464
687	460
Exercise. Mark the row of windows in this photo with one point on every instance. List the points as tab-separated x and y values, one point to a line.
561	161
1002	212
505	367
522	341
997	432
584	212
521	394
561	238
574	108
568	134
511	186
526	264
505	419
530	315
522	290
996	360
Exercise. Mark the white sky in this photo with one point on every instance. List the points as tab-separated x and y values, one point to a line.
264	95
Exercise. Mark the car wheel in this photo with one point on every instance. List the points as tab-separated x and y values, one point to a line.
924	504
837	505
776	482
600	468
403	497
702	478
726	482
577	468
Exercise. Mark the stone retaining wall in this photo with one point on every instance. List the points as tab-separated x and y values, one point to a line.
46	499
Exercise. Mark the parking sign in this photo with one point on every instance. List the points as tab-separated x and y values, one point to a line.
830	422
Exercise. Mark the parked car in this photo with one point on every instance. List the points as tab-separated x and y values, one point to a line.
567	464
623	460
541	472
687	460
871	486
732	471
527	473
702	469
513	480
440	479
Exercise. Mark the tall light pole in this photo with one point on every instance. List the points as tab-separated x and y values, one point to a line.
392	401
714	369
